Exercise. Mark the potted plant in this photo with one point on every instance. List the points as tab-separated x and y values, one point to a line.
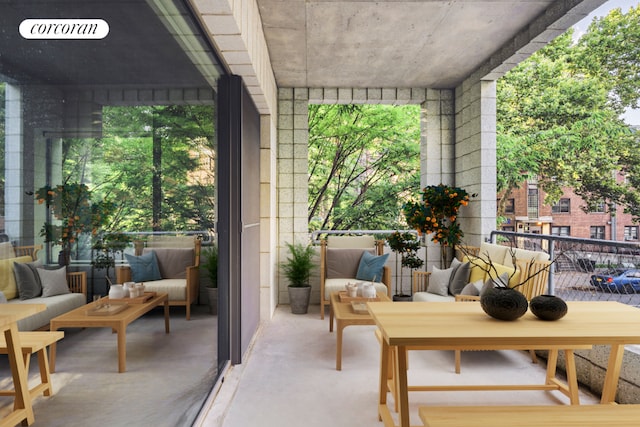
297	269
405	246
437	214
106	246
211	265
74	212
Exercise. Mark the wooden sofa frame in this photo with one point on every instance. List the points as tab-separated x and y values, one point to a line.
386	274
123	274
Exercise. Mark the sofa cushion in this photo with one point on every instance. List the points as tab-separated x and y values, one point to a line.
472	288
343	263
338	285
370	266
144	268
6	250
525	255
54	282
429	297
439	281
56	305
173	262
460	276
493	252
27	279
478	268
505	274
175	288
7	278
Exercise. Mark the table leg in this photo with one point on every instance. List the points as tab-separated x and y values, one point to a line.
339	328
613	374
22	402
383	410
330	317
52	351
402	386
122	348
166	315
572	377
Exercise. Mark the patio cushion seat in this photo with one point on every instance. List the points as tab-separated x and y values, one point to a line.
56	305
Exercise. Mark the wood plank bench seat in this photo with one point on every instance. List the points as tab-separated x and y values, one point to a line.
531	416
35	342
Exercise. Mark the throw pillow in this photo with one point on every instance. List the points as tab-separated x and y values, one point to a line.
7	251
54	282
343	263
459	277
144	268
3	299
439	281
173	262
371	266
7	278
494	283
472	288
27	279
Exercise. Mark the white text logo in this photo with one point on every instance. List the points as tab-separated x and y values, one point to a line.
64	29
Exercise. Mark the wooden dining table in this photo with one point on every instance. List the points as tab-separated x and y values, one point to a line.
9	315
464	326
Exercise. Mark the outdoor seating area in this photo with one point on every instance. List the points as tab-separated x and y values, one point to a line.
256	391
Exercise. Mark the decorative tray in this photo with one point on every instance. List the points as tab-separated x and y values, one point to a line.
359	307
344	297
137	300
106	310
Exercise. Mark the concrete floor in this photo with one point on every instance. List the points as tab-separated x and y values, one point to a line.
289	378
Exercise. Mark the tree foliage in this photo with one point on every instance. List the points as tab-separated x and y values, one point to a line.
363	159
558	117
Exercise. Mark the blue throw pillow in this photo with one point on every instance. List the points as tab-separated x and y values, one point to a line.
144	268
370	268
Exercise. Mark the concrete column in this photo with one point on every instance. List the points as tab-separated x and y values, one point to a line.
293	189
268	222
475	159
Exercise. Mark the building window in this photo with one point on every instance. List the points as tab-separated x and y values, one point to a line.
510	206
508	228
532	201
563	206
630	232
563	230
597	231
599	208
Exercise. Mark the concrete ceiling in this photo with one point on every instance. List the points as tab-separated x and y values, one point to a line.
432	43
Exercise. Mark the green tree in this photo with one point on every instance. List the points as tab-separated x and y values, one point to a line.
363	161
558	120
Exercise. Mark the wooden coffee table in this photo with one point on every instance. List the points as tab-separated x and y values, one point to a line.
79	318
345	316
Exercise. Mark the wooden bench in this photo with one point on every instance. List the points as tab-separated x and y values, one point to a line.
531	416
35	342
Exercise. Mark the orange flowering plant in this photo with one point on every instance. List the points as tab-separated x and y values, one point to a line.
70	204
437	213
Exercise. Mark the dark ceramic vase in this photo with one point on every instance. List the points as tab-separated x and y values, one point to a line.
548	307
504	303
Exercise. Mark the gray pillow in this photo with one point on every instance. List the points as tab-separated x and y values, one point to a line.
495	283
54	282
472	288
27	279
3	299
460	276
343	263
439	281
173	262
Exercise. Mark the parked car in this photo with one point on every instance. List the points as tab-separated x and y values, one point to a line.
627	281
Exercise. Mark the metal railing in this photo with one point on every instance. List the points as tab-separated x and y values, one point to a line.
584	269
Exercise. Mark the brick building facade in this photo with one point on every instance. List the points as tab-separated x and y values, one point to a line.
526	211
